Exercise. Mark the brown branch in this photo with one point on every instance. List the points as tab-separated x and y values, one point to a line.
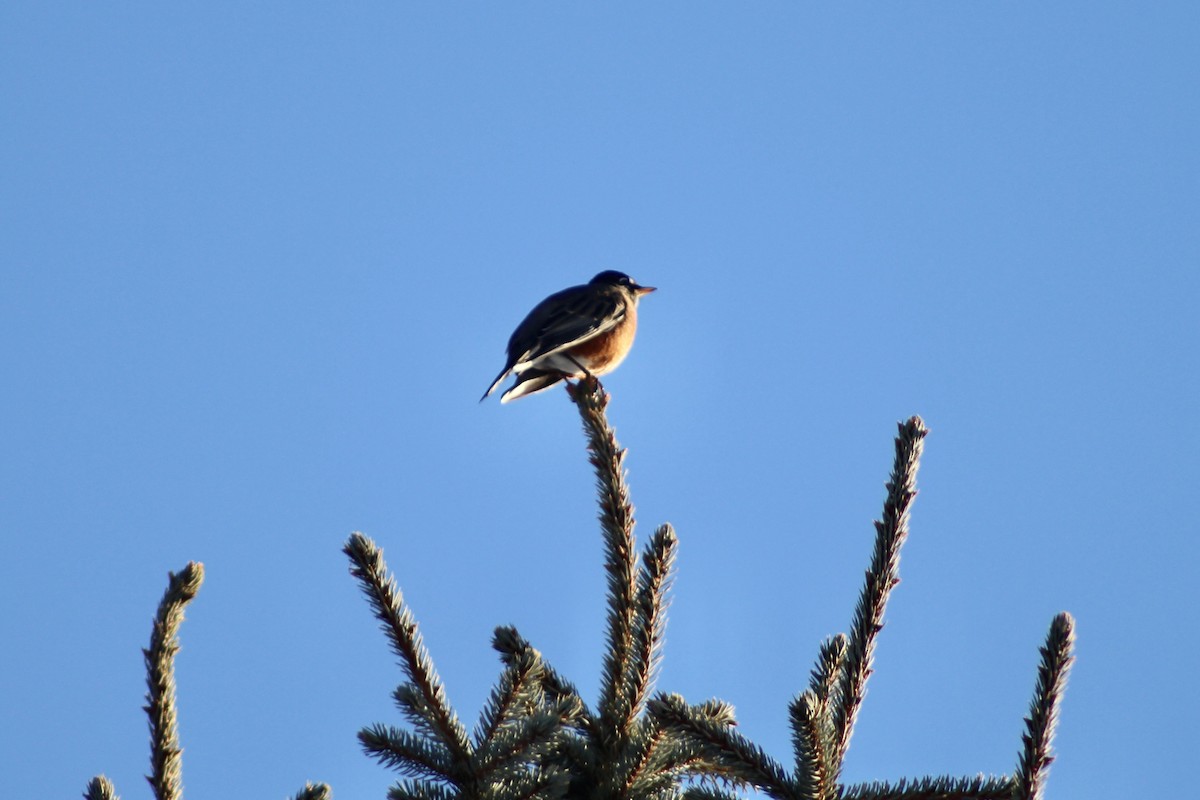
166	755
401	629
881	578
1037	754
616	522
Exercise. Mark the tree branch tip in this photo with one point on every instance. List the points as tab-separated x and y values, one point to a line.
188	581
587	391
512	646
315	791
358	542
100	788
1061	638
667	532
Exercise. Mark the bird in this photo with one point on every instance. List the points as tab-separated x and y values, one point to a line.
583	331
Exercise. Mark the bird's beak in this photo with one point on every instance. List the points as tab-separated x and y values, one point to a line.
641	290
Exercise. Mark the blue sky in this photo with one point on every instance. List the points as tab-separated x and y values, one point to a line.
260	262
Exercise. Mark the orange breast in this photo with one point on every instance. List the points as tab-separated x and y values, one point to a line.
603	353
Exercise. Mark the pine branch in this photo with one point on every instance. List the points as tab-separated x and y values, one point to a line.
315	791
657	758
518	689
407	753
401	629
731	755
940	788
416	710
634	765
419	790
577	758
512	646
616	521
514	745
537	784
812	724
823	680
576	755
165	753
881	578
654	582
707	793
1037	754
101	788
810	738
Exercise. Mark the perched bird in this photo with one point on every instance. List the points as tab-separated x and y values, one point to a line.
581	331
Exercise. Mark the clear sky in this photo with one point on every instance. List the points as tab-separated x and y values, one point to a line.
260	260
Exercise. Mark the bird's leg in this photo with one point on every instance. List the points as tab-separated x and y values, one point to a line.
582	368
588	377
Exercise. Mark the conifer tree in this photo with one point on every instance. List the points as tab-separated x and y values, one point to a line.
538	739
630	747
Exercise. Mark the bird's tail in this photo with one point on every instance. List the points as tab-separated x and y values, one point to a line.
532	381
499	379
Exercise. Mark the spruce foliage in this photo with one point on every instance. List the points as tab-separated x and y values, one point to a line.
538	739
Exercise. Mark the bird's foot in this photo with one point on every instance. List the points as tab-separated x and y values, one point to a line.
588	384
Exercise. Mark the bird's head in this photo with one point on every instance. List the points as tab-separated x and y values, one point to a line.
611	277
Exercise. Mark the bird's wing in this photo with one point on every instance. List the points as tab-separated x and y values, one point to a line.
563	320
